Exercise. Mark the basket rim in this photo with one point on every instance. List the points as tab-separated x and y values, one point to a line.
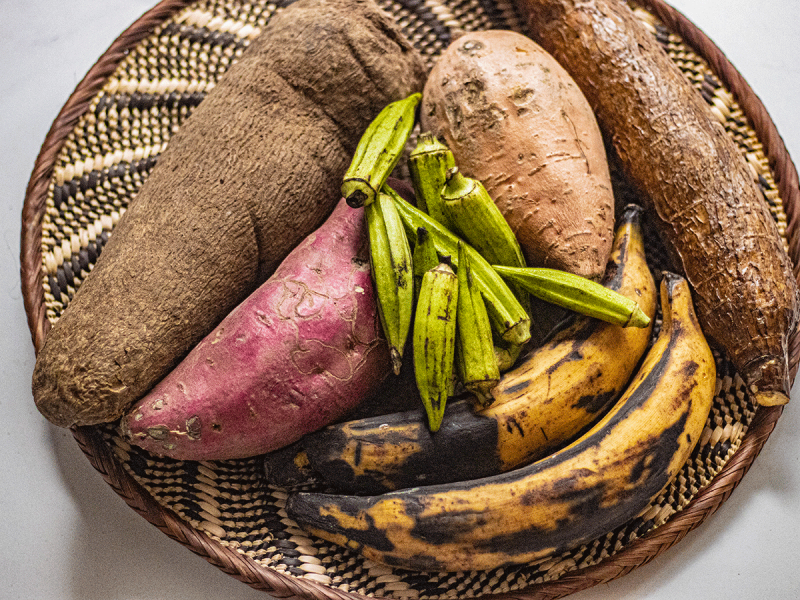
243	568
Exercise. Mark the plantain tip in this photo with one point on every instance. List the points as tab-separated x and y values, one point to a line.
771	398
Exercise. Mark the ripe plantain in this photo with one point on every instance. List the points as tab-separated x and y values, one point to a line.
588	488
552	396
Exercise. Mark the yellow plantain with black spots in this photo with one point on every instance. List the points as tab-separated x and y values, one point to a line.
574	495
553	395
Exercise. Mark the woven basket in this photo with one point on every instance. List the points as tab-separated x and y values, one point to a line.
105	142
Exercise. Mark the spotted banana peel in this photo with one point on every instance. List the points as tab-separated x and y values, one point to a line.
562	387
434	340
392	273
597	483
553	395
378	151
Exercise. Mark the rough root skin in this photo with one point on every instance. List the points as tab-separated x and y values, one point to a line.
297	354
696	184
226	203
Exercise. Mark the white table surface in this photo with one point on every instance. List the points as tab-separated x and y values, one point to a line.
66	535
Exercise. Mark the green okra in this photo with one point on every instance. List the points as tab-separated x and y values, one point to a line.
506	356
379	151
578	294
434	340
428	165
392	273
508	317
477	219
424	257
476	363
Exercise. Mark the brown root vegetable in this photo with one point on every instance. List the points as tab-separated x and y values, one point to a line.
296	355
253	170
516	121
695	181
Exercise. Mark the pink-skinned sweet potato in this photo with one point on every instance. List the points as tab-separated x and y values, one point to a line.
295	355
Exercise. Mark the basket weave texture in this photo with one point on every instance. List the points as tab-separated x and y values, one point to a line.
106	141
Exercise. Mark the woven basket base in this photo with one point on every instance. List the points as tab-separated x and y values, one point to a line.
224	510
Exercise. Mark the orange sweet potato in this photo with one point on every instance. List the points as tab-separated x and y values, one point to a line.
516	121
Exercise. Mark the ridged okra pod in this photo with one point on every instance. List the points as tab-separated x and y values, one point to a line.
434	340
508	317
379	151
476	218
424	257
507	355
392	273
428	165
577	293
476	363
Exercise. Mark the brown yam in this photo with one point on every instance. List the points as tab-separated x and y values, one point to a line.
693	178
516	121
251	173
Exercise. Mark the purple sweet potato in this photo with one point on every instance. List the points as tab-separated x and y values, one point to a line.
295	355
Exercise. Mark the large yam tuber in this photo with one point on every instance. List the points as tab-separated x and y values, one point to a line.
516	121
297	354
253	170
699	189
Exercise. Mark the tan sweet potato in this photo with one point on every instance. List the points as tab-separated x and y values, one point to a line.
297	354
516	121
693	178
252	172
